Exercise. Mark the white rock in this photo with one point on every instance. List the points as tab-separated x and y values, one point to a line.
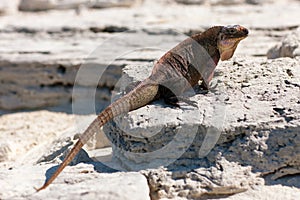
226	2
226	178
42	5
78	182
268	192
252	120
8	6
190	2
36	5
288	47
113	3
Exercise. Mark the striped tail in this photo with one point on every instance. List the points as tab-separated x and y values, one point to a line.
140	96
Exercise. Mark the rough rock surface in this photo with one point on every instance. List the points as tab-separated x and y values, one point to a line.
84	182
19	134
190	2
253	112
36	5
42	5
222	2
29	151
223	180
288	47
8	7
89	180
114	3
234	2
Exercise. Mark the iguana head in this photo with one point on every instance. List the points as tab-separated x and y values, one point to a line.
228	39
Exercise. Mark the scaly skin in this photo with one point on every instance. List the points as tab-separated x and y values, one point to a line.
179	69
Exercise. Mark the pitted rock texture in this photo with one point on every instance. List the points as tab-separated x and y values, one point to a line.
251	117
224	179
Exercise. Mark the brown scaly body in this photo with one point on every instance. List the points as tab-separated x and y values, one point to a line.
179	69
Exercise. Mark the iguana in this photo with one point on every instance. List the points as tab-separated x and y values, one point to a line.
181	68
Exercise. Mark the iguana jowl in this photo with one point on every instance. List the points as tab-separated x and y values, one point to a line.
179	69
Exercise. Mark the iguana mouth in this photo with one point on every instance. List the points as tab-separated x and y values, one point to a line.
229	38
230	42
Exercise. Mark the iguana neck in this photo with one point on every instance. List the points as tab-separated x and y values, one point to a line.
209	41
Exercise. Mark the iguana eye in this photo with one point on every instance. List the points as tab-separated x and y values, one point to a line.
231	31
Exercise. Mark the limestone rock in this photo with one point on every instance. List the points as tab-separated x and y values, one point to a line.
190	2
288	47
8	7
113	3
7	151
226	2
39	61
222	2
268	192
252	117
225	178
36	5
42	5
82	181
19	136
62	145
47	139
235	2
55	79
27	159
259	2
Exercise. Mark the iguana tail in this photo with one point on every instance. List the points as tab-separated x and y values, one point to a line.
140	96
